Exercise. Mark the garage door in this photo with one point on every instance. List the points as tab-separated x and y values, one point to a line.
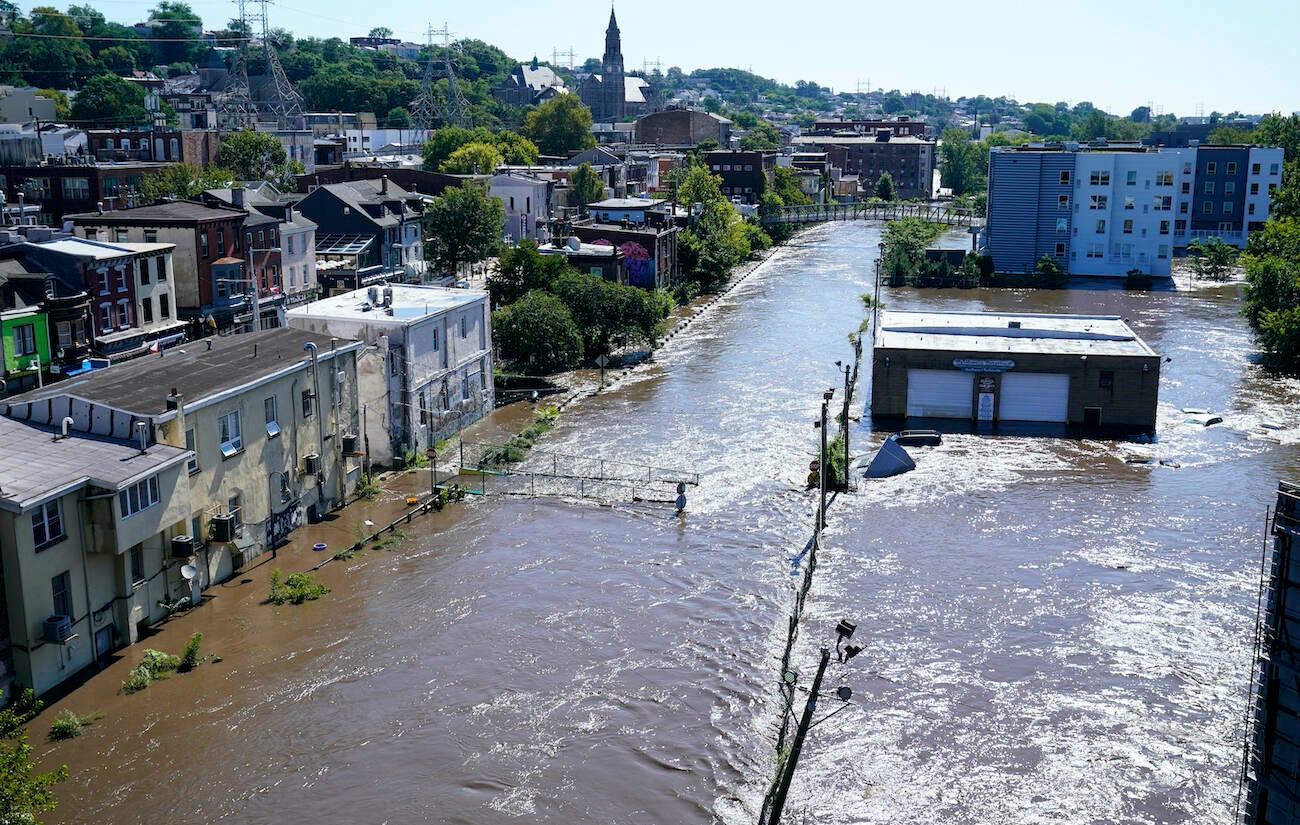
1028	396
939	393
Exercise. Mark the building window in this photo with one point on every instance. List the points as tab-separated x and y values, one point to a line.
1187	187
1131	178
1130	203
423	411
164	306
1272	168
105	317
1232	168
1250	209
1183	208
1060	253
464	327
203	245
1096	250
146	310
142	268
232	440
1165	177
236	511
1163	203
1164	227
121	236
136	555
151	236
272	423
1101	227
1162	251
47	524
1254	189
1209	187
1065	177
221	242
1207	208
191	444
1128	227
1105	380
1062	225
25	339
123	314
1210	168
1254	168
76	188
1099	177
1097	201
1229	188
306	404
1227	207
61	590
138	497
1063	202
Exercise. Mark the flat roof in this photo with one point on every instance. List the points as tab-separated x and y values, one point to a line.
992	332
141	385
624	203
411	302
34	466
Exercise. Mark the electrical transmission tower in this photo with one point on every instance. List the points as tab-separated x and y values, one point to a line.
556	54
285	103
237	110
646	65
430	108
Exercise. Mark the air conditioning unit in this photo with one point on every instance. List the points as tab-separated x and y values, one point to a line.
223	528
182	547
311	464
350	444
57	629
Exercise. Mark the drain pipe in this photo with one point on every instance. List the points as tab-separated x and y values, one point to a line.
320	427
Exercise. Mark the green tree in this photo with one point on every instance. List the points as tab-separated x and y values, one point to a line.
108	100
1232	134
522	269
177	37
118	60
885	187
560	126
472	159
516	149
959	162
585	186
62	108
258	156
762	136
24	793
380	31
443	142
180	181
905	242
463	225
398	117
609	315
1272	285
714	244
1212	259
537	331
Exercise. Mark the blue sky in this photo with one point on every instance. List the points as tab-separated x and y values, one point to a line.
1176	56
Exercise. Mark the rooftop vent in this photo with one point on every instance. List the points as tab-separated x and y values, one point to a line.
1013	325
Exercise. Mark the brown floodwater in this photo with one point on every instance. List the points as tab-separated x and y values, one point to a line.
1052	633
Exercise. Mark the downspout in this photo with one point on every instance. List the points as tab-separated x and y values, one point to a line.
320	425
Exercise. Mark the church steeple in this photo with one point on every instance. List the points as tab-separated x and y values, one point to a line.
613	42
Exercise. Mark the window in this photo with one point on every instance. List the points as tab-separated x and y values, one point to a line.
464	327
1096	250
1130	203
1227	207
1163	203
1062	225
146	310
76	188
143	270
236	511
1106	380
1097	201
47	524
121	236
221	242
1187	187
1210	168
1063	202
1229	188
191	444
25	339
136	554
1254	168
203	245
1250	209
106	317
1209	187
1165	177
1101	227
232	440
424	414
1207	208
272	424
1232	168
1272	168
1183	208
138	497
1099	177
61	590
164	306
120	277
1128	227
1131	178
151	236
1065	177
289	244
123	314
306	404
261	238
1162	251
1254	189
1164	227
1060	253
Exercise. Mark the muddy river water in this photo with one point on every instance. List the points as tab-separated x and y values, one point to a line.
1052	633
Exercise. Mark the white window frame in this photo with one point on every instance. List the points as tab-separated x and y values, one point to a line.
272	416
192	444
48	517
138	497
229	433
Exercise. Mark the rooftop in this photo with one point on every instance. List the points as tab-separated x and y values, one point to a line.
856	138
35	466
994	333
410	303
83	248
624	203
182	211
141	386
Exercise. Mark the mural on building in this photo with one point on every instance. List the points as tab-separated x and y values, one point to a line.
638	264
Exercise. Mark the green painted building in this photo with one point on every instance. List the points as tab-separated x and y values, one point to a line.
24	327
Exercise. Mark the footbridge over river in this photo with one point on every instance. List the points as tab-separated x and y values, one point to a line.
821	213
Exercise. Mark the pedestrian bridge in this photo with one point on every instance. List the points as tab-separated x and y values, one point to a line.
488	469
820	213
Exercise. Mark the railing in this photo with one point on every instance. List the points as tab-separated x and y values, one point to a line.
818	213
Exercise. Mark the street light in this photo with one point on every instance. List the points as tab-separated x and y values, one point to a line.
775	801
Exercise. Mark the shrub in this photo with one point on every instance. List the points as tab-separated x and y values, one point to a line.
138	679
368	487
69	725
190	658
298	588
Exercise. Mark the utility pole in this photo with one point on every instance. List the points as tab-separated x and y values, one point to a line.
821	509
844	429
796	746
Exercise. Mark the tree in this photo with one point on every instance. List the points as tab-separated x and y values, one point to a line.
462	226
108	100
905	242
258	156
560	125
762	136
443	142
177	36
381	31
609	315
537	331
472	159
1212	259
885	187
959	162
1051	274
696	184
398	117
181	180
62	108
522	269
585	186
23	792
1224	135
516	149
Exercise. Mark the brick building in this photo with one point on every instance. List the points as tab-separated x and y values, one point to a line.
910	161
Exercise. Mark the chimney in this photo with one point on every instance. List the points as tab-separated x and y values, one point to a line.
383	184
237	196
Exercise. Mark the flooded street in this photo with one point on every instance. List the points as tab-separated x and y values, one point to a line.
1053	634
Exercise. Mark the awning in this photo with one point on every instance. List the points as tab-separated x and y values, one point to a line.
337	244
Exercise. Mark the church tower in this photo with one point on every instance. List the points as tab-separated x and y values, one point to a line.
612	92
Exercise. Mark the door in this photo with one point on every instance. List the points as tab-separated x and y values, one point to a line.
939	393
1033	396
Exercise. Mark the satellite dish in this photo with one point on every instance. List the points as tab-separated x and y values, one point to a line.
189	571
844	692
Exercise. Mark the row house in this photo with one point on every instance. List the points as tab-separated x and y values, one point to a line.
282	240
649	251
152	480
24	327
527	202
117	145
65	188
373	227
210	259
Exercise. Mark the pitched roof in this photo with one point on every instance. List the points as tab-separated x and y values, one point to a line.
177	211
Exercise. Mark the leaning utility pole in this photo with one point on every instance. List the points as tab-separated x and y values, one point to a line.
796	746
